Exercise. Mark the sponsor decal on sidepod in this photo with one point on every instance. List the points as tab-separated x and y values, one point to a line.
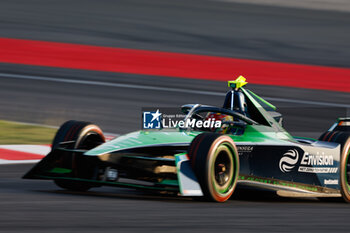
331	181
288	161
318	163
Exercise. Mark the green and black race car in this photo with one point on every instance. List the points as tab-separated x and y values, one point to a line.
247	148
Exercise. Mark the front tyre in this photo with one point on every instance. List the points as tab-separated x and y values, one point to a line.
84	135
214	159
73	185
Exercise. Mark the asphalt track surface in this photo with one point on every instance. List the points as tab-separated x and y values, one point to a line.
268	33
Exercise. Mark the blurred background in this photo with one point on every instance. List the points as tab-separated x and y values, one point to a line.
103	61
299	32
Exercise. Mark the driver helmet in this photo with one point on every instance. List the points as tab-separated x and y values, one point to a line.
219	117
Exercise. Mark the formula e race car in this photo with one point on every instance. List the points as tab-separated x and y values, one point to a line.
245	147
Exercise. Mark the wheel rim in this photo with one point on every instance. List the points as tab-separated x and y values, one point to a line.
90	134
222	172
91	140
90	137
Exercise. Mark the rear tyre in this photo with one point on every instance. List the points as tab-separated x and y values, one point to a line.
343	138
83	135
214	159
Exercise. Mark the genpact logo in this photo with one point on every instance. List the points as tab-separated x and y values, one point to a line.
288	161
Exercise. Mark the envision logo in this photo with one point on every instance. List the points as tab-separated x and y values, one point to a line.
318	159
288	161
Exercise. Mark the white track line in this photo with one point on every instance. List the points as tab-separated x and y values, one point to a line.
309	102
5	162
33	149
155	88
327	5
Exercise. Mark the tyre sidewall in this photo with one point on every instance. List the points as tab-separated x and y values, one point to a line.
202	155
227	142
343	170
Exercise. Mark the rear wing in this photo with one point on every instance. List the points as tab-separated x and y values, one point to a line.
342	124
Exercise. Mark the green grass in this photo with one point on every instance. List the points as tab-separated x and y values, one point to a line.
21	133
